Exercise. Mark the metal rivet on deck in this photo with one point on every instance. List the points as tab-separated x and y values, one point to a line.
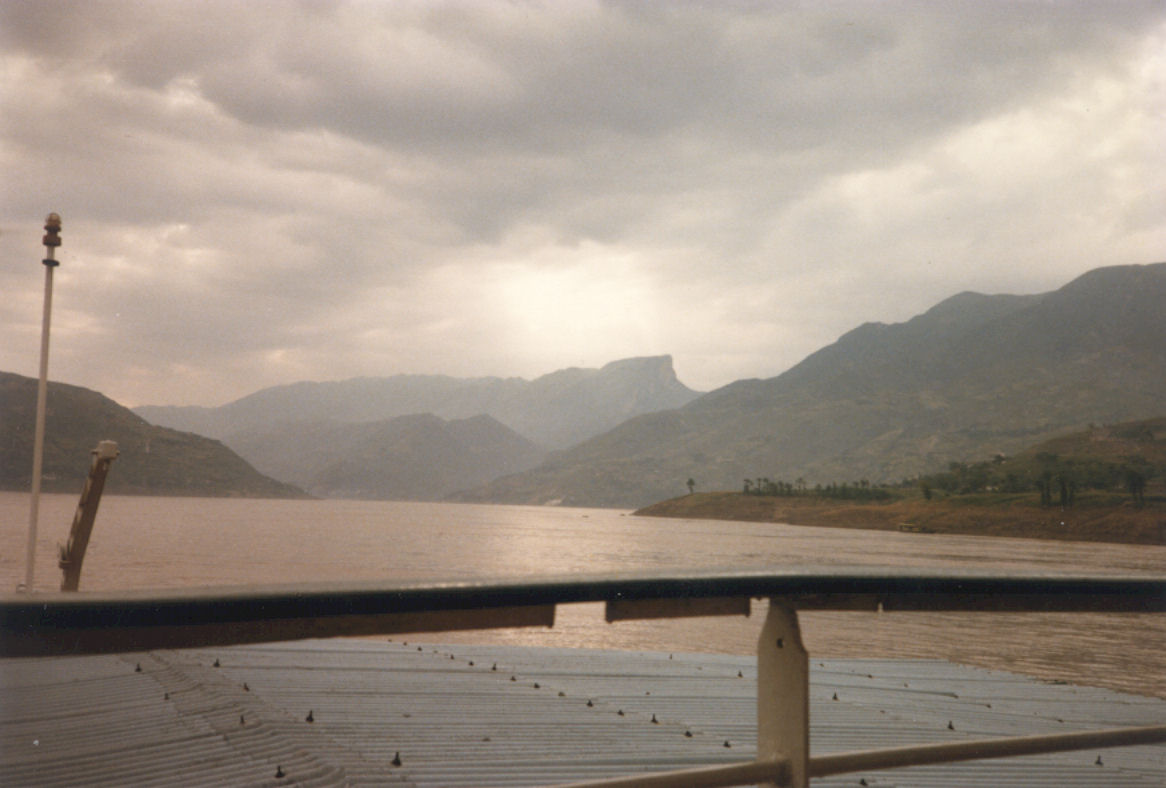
396	759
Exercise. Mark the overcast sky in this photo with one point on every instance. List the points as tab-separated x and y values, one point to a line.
256	193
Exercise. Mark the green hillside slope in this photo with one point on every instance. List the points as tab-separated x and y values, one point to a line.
153	460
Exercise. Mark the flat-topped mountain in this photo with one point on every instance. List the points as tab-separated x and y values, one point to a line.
153	460
974	376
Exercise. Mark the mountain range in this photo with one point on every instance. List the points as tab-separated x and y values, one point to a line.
553	411
423	437
976	375
377	438
973	377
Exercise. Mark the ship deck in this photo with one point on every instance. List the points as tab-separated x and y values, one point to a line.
403	712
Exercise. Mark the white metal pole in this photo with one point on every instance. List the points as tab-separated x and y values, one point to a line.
52	240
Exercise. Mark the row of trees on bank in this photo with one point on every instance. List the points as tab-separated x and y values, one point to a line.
1058	480
857	491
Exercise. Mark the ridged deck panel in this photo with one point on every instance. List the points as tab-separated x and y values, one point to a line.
473	715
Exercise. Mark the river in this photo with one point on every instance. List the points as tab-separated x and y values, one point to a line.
141	542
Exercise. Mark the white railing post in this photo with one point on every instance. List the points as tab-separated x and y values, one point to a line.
783	695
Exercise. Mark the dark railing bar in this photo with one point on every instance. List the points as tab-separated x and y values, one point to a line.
92	622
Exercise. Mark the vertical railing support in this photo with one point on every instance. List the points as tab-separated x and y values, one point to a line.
783	695
72	554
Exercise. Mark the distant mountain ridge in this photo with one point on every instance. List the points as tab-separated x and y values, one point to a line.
153	460
415	457
973	376
555	410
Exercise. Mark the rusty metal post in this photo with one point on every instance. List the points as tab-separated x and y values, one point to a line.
783	695
72	554
51	241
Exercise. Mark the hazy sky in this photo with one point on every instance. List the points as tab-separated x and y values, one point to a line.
256	193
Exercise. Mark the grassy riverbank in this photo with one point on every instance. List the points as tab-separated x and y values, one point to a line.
1091	519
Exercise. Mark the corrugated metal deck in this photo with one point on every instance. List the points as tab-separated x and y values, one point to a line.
494	715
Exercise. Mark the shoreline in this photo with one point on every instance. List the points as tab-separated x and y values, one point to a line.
1118	524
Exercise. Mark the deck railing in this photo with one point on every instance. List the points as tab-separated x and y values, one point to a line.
105	622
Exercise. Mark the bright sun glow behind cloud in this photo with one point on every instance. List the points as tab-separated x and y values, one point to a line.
573	303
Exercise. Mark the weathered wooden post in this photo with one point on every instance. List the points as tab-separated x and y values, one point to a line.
52	240
73	553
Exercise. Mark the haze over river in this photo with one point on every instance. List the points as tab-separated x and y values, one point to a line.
143	542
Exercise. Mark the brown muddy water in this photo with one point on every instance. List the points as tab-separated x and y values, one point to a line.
174	542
